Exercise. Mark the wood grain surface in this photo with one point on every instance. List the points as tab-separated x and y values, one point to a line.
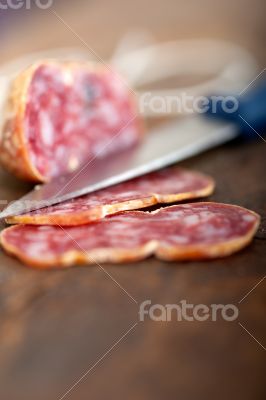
62	326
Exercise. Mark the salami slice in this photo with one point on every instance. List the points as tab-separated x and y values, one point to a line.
60	115
166	186
179	232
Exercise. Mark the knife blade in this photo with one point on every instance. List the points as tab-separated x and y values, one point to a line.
172	142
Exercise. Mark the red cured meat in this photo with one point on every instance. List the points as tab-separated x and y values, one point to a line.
180	232
60	115
166	186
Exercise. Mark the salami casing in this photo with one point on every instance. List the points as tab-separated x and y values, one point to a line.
179	232
166	186
60	115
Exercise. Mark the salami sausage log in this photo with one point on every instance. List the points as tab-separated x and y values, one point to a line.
179	232
166	186
60	115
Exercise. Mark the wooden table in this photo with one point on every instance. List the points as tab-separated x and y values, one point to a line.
56	326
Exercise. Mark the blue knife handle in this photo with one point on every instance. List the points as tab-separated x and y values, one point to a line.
249	115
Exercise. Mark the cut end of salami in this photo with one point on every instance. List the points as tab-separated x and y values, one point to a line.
59	115
180	232
165	186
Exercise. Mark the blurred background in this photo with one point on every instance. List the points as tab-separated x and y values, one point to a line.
54	326
102	23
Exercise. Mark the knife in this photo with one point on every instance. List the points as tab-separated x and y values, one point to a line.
171	142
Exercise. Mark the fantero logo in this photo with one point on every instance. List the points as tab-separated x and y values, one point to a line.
184	311
26	4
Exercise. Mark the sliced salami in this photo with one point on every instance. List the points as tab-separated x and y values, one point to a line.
166	186
180	232
60	115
